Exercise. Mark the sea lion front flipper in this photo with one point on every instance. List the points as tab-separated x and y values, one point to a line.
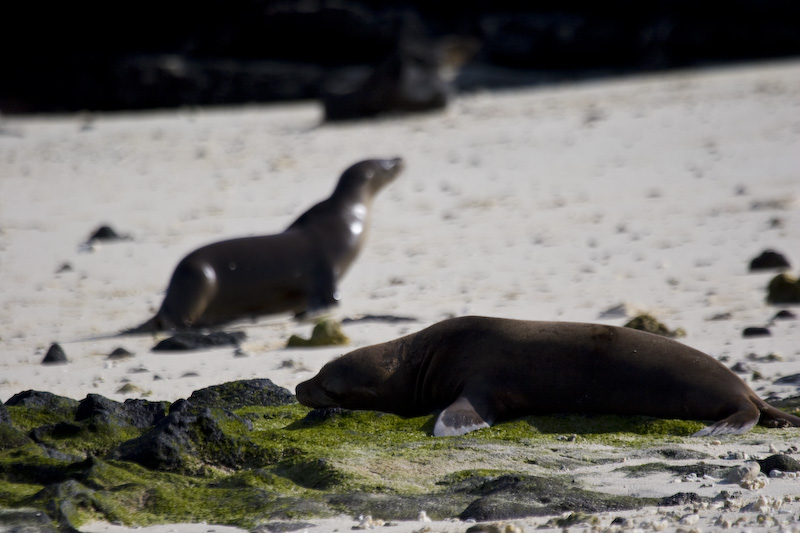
322	293
461	417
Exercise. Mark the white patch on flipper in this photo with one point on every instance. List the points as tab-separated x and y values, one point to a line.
458	418
725	427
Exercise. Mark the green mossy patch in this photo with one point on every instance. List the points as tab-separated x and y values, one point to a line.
783	289
325	333
245	453
651	324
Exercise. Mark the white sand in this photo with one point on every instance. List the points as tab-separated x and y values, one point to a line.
552	203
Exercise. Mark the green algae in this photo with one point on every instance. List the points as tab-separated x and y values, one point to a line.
256	463
783	289
650	324
325	333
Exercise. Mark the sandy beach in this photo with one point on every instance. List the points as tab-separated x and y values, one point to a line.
582	202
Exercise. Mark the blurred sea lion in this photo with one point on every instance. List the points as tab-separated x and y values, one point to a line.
416	76
294	271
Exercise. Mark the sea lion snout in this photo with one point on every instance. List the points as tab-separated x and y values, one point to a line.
395	165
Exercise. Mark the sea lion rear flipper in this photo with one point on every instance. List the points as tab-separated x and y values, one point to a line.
739	422
461	417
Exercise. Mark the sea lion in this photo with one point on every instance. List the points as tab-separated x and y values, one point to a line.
482	370
416	76
294	271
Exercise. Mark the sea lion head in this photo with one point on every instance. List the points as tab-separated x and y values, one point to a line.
369	176
357	380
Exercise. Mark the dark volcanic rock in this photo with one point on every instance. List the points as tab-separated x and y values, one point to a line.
167	446
120	353
756	332
140	414
106	233
793	379
769	260
742	368
55	355
784	314
781	462
681	498
191	436
238	394
197	341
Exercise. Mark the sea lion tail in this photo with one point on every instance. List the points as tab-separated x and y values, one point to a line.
772	417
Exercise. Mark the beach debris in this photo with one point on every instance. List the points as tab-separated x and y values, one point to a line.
65	267
756	331
55	355
763	505
325	333
647	322
769	260
783	289
191	340
722	316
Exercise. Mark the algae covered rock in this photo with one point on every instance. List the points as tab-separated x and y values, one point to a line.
237	394
10	437
781	462
137	413
325	333
166	446
246	453
26	521
783	289
43	406
516	496
650	324
204	431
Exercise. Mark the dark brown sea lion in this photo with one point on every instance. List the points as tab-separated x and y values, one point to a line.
482	370
294	271
416	76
